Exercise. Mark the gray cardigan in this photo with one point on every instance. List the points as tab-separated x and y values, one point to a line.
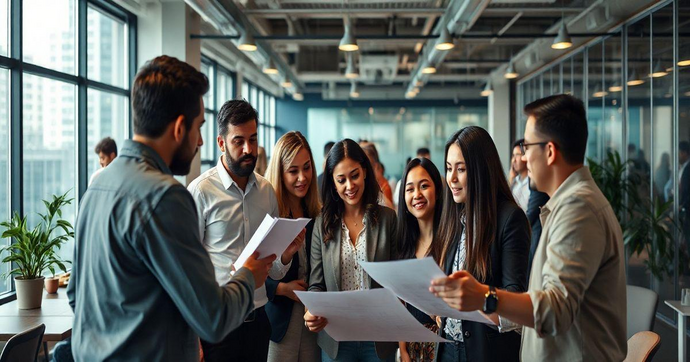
325	267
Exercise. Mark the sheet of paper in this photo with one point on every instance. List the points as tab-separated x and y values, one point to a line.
366	315
273	236
410	280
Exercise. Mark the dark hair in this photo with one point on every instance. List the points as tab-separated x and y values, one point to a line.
235	112
107	146
333	206
516	144
486	189
562	118
408	228
684	146
423	150
327	148
164	89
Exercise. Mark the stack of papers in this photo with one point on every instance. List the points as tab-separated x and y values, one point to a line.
272	237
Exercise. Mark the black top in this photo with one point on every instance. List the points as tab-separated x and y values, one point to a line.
420	316
279	307
536	201
508	256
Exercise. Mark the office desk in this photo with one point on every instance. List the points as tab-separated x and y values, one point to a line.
683	313
55	313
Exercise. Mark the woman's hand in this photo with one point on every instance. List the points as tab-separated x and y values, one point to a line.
314	323
460	291
288	289
293	247
404	356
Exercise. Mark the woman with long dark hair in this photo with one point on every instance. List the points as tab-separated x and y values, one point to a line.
487	234
420	202
352	228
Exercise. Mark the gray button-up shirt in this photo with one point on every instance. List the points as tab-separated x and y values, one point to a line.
143	287
577	283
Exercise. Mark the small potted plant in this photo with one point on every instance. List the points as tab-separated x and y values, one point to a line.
32	251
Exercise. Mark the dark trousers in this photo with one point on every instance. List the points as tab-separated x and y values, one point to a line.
247	343
451	352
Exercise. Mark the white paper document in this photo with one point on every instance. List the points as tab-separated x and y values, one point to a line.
366	315
273	236
410	280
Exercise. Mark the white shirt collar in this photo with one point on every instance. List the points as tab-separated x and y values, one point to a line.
227	180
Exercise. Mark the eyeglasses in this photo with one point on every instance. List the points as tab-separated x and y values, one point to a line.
523	145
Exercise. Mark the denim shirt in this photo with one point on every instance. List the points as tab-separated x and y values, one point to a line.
143	287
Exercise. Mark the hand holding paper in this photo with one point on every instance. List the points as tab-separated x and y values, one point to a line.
272	237
410	279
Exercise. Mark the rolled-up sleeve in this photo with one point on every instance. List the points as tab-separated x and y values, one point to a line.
574	252
172	252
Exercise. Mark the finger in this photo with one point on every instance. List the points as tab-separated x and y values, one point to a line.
448	294
269	259
302	283
254	256
459	274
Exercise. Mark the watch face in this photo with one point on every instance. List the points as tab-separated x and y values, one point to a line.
490	304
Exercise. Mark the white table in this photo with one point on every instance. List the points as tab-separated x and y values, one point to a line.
683	312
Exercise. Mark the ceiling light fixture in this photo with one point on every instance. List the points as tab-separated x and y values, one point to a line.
270	68
354	92
247	43
286	83
510	72
348	43
633	79
351	71
445	41
488	90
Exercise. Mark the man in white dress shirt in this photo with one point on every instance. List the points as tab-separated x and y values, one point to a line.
232	201
519	183
106	149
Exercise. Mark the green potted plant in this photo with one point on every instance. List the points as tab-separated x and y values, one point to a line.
647	224
32	251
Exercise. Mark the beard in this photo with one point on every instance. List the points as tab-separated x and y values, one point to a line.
236	166
182	159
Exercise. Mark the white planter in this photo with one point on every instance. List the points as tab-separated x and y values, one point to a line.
29	292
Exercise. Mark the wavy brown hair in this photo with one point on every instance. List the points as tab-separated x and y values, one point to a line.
487	187
284	152
333	206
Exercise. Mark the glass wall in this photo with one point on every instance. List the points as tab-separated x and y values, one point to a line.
650	134
265	105
63	92
220	91
397	132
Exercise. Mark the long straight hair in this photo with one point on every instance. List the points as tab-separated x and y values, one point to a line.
284	153
487	187
408	226
333	205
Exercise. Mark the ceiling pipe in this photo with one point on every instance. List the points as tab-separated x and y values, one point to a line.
459	17
241	23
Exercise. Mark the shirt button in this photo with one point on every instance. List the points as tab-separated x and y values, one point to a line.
467	334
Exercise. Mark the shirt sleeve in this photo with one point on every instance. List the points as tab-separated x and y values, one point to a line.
171	250
574	251
200	204
316	278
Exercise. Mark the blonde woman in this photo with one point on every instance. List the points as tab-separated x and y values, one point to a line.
291	172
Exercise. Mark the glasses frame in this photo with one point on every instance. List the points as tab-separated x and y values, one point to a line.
523	145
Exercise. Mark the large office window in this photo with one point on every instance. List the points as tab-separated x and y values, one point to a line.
635	65
220	91
265	105
70	95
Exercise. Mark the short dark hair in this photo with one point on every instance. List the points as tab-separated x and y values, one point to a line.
327	148
563	119
423	150
107	146
164	89
684	146
516	144
235	112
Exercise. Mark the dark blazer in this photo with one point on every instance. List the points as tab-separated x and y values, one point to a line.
536	201
279	307
325	267
508	254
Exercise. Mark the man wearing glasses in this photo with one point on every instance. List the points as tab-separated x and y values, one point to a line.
575	306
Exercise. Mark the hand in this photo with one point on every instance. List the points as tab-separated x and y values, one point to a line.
288	289
259	268
404	356
460	291
314	323
511	175
293	247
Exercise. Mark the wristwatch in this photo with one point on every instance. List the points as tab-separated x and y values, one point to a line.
490	301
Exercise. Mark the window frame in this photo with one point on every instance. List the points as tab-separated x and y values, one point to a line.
14	62
216	70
